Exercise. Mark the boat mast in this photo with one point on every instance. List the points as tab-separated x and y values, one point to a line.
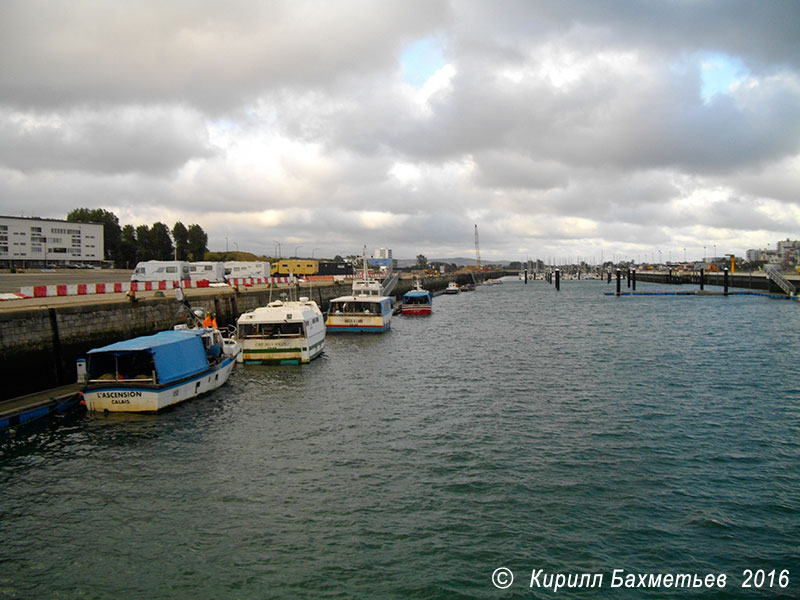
365	264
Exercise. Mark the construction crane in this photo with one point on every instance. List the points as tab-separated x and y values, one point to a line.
477	248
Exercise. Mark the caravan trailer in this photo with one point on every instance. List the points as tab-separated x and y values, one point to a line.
213	272
161	270
239	269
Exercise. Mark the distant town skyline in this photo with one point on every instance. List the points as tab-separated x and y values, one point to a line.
562	129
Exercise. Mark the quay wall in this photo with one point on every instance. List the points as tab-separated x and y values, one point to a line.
753	281
39	346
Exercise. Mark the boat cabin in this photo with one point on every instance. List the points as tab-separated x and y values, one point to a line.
158	359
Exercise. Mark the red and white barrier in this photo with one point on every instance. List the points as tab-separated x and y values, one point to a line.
12	296
90	289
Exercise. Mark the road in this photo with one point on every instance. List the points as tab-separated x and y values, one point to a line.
12	282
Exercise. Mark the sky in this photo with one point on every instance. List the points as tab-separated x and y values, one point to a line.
563	130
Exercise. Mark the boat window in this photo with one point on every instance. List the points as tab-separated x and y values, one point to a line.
128	366
270	330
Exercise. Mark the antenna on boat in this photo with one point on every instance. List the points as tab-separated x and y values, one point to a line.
181	297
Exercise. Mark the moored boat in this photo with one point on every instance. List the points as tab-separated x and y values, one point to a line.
417	301
282	333
452	288
367	310
149	373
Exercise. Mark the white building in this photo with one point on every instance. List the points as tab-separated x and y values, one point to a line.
382	253
40	242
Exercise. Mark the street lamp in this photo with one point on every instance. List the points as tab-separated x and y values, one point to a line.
237	246
295	250
278	244
312	252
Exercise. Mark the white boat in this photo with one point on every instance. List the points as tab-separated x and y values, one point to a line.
492	282
150	373
290	332
367	310
452	288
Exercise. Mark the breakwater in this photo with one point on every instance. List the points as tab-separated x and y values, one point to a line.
39	347
749	280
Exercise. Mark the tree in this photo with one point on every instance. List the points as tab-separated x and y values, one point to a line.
111	228
181	237
161	242
198	241
127	248
144	249
422	261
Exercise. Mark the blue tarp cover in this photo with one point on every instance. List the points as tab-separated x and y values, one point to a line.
176	354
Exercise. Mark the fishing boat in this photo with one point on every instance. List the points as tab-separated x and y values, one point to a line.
452	288
150	373
281	332
367	310
417	301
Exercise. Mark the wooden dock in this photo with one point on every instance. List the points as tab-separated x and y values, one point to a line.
18	411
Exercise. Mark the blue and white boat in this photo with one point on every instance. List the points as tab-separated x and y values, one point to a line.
417	301
367	310
149	373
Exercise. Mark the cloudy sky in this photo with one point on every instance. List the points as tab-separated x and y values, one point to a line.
563	129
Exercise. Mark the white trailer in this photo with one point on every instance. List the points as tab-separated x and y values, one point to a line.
213	272
241	269
161	270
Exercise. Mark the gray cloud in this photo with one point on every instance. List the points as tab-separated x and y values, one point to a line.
556	124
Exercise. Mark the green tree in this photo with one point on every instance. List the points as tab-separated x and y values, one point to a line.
144	247
198	240
111	229
422	261
161	242
127	248
180	235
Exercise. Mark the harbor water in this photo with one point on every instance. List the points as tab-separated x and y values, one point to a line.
517	427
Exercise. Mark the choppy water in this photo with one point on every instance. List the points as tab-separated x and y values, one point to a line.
515	427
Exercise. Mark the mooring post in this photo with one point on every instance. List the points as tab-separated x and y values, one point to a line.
701	279
725	281
558	280
633	279
526	276
628	277
669	277
619	281
609	277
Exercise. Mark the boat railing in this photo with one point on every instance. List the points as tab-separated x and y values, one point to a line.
123	380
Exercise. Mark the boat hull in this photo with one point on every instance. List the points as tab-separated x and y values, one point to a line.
358	324
420	309
130	398
281	352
